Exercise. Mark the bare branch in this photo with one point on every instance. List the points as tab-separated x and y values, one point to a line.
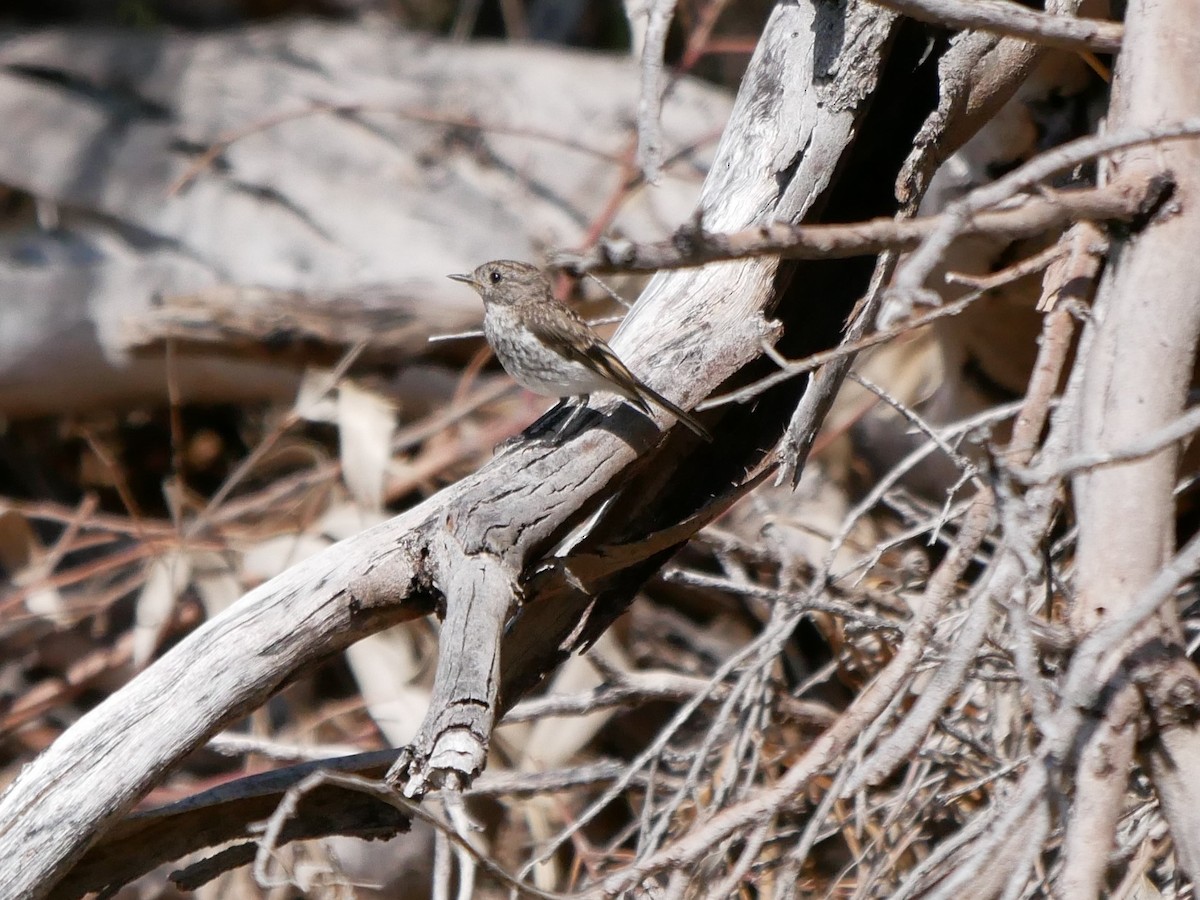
792	368
916	269
650	137
818	399
1137	449
1100	783
1004	17
379	791
693	246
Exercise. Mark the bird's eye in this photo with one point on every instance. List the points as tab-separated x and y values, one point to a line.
495	277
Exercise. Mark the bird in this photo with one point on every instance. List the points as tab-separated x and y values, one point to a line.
547	348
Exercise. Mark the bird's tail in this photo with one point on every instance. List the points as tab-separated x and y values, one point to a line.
648	393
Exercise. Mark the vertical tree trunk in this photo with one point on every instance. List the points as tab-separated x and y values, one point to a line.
1138	374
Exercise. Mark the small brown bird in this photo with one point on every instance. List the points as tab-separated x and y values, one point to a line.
547	348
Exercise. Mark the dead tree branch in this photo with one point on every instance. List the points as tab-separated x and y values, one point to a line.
654	44
694	245
911	277
1014	20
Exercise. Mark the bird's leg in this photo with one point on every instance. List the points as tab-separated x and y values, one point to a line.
542	428
543	424
536	431
564	430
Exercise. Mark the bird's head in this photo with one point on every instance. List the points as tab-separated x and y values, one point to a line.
506	281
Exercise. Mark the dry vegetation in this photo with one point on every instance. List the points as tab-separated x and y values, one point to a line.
921	622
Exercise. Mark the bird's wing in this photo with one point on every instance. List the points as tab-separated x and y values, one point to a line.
584	346
579	343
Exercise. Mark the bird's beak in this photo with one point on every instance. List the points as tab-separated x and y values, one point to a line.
465	279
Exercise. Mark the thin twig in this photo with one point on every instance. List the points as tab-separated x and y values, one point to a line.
1147	445
849	348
